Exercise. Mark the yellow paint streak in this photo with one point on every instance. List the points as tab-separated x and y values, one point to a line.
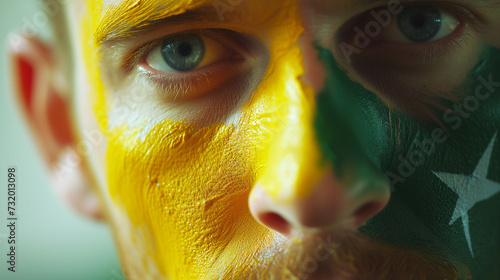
294	162
91	56
189	188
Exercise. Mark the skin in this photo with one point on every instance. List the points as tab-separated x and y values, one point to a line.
297	131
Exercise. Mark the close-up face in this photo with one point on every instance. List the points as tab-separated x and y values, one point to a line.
252	139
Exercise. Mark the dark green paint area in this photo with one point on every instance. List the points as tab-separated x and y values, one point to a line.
356	135
340	123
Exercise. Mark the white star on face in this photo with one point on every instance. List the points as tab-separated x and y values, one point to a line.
471	189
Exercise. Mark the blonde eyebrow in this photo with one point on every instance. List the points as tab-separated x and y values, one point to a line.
140	19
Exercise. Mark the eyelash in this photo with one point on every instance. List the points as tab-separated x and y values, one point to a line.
175	85
427	53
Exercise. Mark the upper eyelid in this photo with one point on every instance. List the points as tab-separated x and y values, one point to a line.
134	56
125	48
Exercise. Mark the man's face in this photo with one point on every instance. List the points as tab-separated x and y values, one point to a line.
254	138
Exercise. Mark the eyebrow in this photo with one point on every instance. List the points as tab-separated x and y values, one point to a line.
111	28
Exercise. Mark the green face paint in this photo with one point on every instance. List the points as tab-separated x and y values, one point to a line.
446	180
341	127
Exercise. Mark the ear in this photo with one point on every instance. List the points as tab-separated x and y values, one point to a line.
44	99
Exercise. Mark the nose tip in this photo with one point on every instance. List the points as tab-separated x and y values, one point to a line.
330	204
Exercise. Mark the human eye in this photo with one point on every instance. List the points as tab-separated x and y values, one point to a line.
417	32
414	56
194	63
186	52
421	24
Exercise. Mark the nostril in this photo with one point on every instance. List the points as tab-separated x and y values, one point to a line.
368	210
275	222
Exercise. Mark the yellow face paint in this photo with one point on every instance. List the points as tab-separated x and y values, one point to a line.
185	190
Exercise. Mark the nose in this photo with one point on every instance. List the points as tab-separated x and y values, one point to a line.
303	190
330	204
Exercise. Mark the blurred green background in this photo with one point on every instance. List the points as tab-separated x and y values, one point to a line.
52	242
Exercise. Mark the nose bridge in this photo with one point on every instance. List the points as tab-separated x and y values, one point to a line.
294	159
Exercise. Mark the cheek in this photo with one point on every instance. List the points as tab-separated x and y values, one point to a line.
188	189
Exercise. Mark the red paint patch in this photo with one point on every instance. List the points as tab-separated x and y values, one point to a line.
26	74
58	119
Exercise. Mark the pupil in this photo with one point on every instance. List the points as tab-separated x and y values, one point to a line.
418	21
184	49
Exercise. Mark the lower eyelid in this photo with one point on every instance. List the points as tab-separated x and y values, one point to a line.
188	86
214	106
428	53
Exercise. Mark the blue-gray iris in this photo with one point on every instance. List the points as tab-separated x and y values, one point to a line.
183	52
